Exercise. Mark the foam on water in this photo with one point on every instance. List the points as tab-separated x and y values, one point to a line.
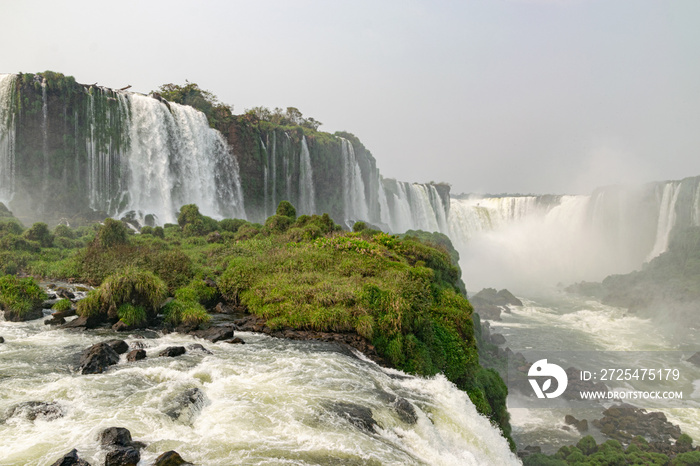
266	403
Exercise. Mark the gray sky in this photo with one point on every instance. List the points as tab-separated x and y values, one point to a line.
530	96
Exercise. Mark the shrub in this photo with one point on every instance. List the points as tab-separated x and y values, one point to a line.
278	223
20	296
133	316
112	233
12	242
359	226
286	209
187	312
10	226
61	305
231	224
40	233
158	232
194	223
63	231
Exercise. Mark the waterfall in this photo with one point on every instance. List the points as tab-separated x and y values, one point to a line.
353	187
175	158
307	198
7	138
696	206
45	129
667	218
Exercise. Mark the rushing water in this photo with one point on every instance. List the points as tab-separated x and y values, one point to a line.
7	138
565	324
266	403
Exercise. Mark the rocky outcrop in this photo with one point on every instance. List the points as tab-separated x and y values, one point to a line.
71	459
359	416
136	355
489	303
581	426
624	422
214	333
97	359
121	449
173	351
119	346
32	410
187	405
170	458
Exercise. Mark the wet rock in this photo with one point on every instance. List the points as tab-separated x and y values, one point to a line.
123	456
359	416
33	314
32	410
581	426
170	458
624	422
405	410
71	459
185	407
695	359
116	437
64	293
66	313
120	326
97	359
198	347
55	321
119	346
222	308
235	341
498	339
214	334
83	322
2	340
136	355
173	351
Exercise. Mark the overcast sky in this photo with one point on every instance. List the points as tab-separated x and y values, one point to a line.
517	96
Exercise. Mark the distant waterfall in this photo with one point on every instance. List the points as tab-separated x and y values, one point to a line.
355	201
415	206
175	158
7	138
667	218
307	197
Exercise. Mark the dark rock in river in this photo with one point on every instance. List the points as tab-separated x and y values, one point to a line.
222	308
170	458
173	351
136	355
695	359
31	410
236	341
123	456
55	321
2	340
83	322
405	410
498	339
624	422
71	459
359	416
97	358
12	316
198	347
185	407
214	334
119	346
581	426
117	437
489	303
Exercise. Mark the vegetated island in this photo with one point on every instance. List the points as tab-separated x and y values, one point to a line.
397	298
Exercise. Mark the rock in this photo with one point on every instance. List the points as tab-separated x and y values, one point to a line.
498	339
64	293
235	341
170	458
173	351
581	426
405	410
123	456
71	459
55	321
2	340
222	308
120	326
116	437
214	334
66	313
359	416
32	314
97	358
119	346
185	407
136	355
84	322
31	410
198	347
695	359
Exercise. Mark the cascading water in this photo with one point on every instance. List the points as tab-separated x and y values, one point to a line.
175	158
270	401
307	197
45	128
667	218
353	187
7	138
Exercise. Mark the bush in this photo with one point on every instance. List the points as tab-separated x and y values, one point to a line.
231	224
278	223
286	209
10	227
40	233
194	223
61	305
359	226
112	233
20	297
63	231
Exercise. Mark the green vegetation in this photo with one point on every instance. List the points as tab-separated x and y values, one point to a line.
402	294
217	113
20	297
61	305
611	452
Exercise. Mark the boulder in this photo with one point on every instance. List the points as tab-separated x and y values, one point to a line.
97	358
136	355
71	459
116	437
84	322
123	456
2	340
120	326
498	339
170	458
173	351
359	416
405	410
119	346
32	314
198	347
695	359
32	410
55	321
222	308
185	407
235	341
214	334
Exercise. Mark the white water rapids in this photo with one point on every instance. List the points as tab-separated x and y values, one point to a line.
266	404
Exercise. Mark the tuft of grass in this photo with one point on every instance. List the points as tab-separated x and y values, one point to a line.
61	305
20	295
